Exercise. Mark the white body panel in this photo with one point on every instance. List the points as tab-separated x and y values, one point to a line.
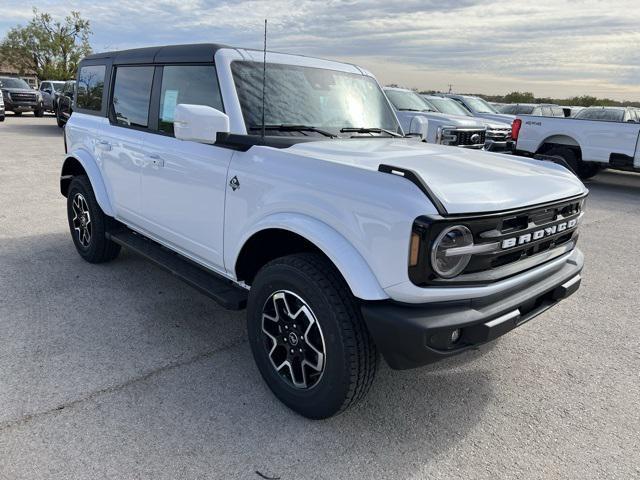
328	191
597	139
183	186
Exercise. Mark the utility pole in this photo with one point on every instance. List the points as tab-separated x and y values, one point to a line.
450	86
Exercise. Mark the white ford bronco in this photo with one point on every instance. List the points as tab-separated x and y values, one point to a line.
288	188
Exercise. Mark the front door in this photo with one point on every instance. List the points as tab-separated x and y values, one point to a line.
184	183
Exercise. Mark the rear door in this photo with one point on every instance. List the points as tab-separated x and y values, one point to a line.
183	182
120	143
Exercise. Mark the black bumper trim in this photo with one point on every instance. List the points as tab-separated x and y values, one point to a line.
410	336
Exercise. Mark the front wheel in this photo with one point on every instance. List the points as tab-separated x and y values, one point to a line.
59	119
308	336
88	223
39	112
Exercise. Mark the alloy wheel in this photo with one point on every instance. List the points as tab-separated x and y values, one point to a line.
293	339
81	220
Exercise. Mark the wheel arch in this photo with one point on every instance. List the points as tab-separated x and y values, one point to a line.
561	140
285	234
81	163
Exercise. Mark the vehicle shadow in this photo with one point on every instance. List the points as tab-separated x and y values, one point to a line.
18	126
611	181
130	329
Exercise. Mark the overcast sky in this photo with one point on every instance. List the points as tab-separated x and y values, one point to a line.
549	47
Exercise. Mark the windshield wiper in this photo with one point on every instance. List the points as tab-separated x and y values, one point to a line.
285	127
369	130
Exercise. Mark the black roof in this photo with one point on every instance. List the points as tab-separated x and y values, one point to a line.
193	53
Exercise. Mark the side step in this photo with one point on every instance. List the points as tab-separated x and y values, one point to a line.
211	284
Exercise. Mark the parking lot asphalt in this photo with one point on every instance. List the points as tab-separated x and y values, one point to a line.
121	371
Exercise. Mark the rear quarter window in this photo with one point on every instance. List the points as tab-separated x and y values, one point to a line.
90	86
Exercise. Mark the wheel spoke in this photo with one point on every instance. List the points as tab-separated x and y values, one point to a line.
293	340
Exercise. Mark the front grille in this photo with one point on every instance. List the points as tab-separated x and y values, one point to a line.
499	134
512	241
464	137
23	97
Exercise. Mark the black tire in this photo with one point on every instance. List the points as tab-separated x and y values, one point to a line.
582	169
39	112
17	114
350	355
2	118
97	248
59	120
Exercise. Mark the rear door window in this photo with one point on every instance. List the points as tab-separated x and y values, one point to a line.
131	96
190	84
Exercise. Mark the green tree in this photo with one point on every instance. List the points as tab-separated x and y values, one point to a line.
52	49
519	97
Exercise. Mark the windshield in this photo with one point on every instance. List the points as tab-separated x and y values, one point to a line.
478	105
14	83
325	99
407	101
448	106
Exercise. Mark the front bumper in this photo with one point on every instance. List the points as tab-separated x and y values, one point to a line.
22	106
410	336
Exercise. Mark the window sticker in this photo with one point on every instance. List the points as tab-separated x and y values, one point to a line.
169	105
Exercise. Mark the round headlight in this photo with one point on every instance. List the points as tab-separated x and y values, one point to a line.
445	260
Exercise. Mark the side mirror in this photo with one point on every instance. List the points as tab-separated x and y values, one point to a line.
199	123
419	126
69	94
48	90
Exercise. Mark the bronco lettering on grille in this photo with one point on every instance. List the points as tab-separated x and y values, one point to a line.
538	234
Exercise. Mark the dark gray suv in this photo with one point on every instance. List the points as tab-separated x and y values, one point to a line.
20	97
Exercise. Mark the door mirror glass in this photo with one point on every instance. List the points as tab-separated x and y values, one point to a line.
47	90
199	123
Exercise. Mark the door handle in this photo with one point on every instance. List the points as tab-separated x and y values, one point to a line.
104	144
156	160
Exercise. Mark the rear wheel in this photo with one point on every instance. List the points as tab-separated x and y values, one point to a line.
582	169
39	112
17	114
308	336
88	223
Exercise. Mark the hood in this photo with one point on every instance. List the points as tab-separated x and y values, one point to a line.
465	181
497	117
445	119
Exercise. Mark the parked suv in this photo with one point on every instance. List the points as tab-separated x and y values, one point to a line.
48	90
20	97
1	107
64	103
455	130
341	237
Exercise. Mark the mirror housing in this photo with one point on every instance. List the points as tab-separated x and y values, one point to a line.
199	123
48	90
419	126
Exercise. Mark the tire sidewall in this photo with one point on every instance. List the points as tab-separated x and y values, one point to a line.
327	396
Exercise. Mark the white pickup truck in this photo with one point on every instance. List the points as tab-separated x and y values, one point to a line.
301	200
587	146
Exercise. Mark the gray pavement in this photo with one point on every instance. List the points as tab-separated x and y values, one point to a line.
120	371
